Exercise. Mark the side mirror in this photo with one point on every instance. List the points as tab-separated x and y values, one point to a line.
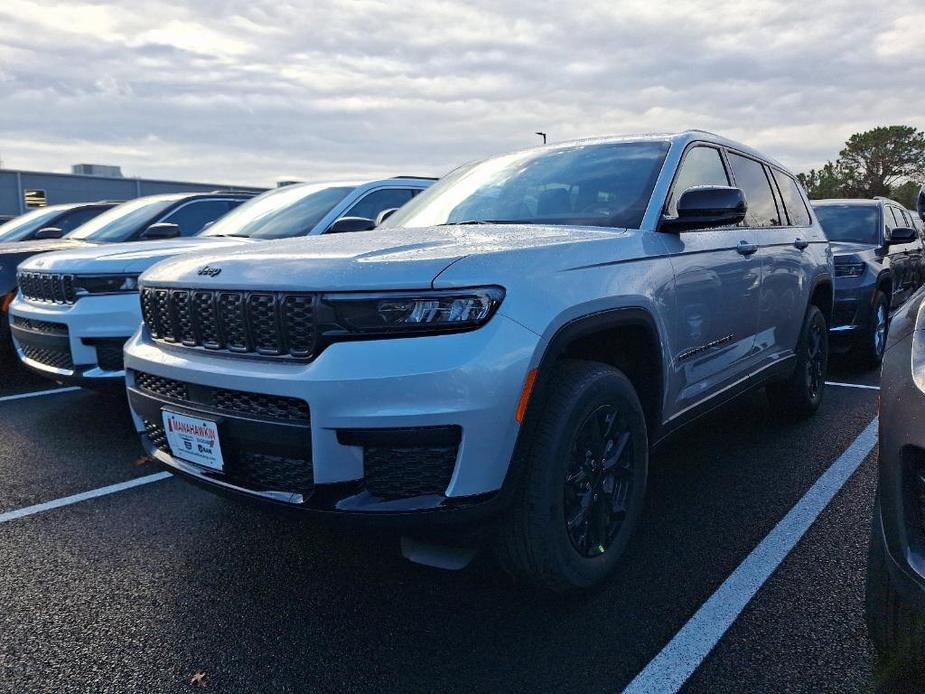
704	207
345	224
161	230
902	235
920	203
49	233
385	214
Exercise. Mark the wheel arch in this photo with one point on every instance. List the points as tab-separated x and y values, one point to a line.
822	296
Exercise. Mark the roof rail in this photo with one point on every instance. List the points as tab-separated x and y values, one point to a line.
423	178
225	191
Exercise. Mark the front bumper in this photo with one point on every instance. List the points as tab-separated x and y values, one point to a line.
853	305
382	405
77	343
901	490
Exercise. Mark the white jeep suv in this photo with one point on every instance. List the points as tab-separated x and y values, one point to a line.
501	356
78	336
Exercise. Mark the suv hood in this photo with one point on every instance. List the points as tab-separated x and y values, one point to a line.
384	259
40	246
123	258
851	247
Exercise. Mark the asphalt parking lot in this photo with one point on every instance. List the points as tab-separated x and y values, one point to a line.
142	589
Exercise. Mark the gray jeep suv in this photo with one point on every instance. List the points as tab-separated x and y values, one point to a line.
500	355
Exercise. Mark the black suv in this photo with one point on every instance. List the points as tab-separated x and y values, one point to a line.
878	265
149	217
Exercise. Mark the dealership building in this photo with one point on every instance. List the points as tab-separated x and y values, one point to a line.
21	191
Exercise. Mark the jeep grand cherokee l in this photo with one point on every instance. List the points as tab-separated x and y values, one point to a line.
80	339
878	265
149	217
501	356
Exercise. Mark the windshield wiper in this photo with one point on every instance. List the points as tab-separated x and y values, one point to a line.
482	221
237	236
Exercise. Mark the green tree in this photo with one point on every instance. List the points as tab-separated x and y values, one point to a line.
875	161
887	161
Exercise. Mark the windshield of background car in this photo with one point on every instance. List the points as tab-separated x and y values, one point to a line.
122	221
856	223
280	213
22	227
607	185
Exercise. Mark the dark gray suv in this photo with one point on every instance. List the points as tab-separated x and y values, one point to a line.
878	265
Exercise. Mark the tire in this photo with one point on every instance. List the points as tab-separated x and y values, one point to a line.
869	350
800	394
897	631
604	492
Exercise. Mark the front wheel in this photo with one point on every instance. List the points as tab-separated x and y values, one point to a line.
800	395
585	461
871	349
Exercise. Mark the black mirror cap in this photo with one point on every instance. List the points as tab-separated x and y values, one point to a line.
161	230
920	203
704	207
385	214
903	235
49	233
345	224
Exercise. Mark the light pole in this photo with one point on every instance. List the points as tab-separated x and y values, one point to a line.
543	135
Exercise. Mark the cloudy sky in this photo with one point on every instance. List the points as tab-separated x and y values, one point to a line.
249	91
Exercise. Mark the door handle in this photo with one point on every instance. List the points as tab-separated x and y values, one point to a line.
800	243
745	248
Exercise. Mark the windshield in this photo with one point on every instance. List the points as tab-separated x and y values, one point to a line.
23	226
281	213
857	223
122	221
605	185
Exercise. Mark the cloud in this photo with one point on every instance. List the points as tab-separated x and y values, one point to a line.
245	91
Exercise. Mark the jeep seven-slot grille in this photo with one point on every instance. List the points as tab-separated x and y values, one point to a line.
47	287
261	323
232	401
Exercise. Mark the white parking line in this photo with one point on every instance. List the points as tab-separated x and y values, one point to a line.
678	660
83	496
851	385
37	393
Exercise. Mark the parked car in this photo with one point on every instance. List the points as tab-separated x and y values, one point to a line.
499	356
80	339
896	564
53	221
879	264
145	218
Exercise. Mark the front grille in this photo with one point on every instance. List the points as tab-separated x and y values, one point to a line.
258	323
40	326
253	470
395	473
55	358
47	287
109	354
237	402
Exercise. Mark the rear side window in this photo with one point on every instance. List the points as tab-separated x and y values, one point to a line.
793	200
193	216
751	179
379	200
702	166
889	221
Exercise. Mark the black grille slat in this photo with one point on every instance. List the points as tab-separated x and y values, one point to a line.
237	402
47	287
396	473
232	321
55	358
40	326
272	324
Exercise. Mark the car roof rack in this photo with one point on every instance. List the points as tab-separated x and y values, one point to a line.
423	178
225	191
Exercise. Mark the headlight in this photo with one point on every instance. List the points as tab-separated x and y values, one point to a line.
105	284
849	269
402	313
